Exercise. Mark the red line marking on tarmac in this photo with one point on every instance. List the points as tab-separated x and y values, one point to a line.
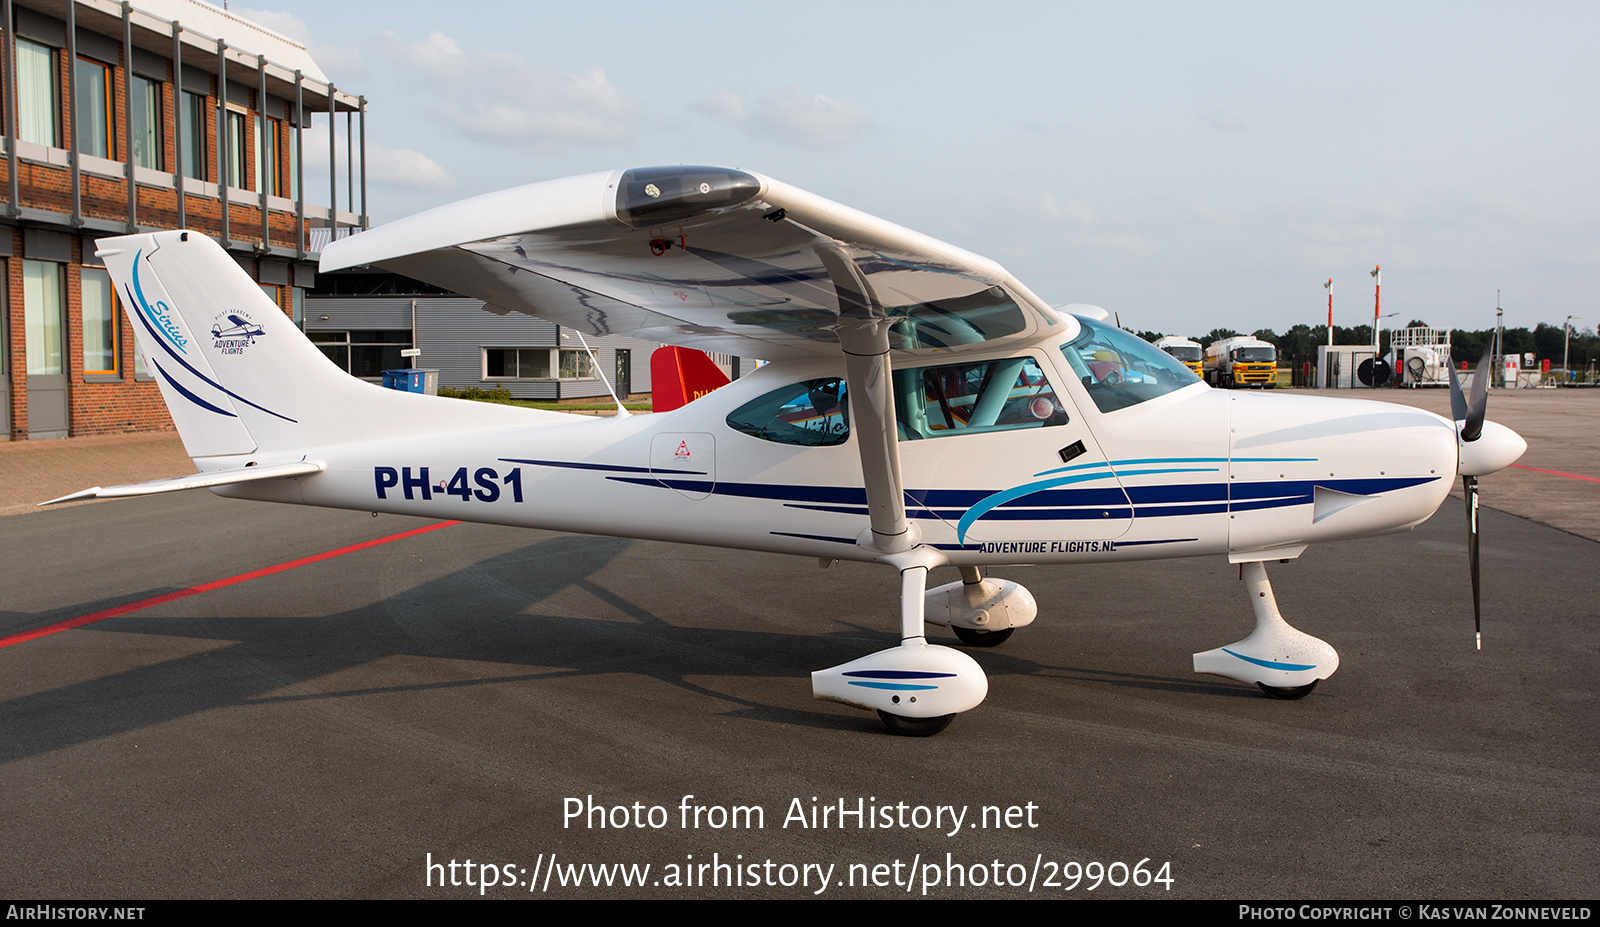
1556	473
82	620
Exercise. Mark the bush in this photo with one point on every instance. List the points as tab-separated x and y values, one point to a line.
497	394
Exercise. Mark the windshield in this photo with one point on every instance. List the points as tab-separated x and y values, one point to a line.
1183	352
1253	355
1120	370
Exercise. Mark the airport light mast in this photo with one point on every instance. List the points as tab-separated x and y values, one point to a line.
1499	360
1329	287
1377	289
1566	341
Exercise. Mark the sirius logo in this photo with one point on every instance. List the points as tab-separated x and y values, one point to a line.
161	314
169	327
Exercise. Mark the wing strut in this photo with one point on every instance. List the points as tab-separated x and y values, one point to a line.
864	337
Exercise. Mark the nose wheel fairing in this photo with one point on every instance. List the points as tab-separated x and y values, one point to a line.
1275	656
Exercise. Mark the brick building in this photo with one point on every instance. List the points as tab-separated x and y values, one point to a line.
136	116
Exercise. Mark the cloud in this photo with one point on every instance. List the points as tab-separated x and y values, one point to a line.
438	54
721	104
286	24
789	116
390	167
1045	206
1216	215
1126	242
402	167
517	102
1223	121
335	61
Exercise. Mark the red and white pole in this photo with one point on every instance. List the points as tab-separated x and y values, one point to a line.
1329	287
1377	289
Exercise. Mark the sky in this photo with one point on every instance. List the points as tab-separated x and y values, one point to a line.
1187	166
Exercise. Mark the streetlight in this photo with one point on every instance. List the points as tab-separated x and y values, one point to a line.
1566	339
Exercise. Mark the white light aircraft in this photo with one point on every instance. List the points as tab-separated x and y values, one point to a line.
921	409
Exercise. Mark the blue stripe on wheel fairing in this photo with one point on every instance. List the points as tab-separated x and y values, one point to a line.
1269	664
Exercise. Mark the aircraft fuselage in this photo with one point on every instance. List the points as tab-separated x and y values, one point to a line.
1191	472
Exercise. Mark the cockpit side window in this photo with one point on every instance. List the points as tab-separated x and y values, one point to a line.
809	414
973	398
1120	370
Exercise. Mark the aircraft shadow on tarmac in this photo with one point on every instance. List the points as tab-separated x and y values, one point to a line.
487	611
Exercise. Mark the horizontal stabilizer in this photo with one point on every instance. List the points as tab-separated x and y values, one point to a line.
195	481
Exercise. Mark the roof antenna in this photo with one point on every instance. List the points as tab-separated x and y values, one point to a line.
622	412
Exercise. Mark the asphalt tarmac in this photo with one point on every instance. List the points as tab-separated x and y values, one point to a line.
331	729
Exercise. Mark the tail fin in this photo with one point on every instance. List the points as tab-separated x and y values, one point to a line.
679	376
237	375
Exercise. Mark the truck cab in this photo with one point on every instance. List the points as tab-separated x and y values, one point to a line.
1184	350
1241	362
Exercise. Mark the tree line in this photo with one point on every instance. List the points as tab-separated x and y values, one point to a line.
1544	341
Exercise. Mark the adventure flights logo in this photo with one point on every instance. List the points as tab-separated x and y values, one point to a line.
232	332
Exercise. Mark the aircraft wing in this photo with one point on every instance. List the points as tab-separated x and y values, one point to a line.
711	258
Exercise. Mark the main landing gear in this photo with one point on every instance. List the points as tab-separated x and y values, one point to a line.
981	612
917	688
1284	662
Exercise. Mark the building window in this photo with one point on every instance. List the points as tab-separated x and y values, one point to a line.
93	91
192	134
237	167
516	363
99	322
269	132
535	364
294	162
577	365
41	309
36	93
365	354
144	109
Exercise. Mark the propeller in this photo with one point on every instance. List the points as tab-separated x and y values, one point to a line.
1470	413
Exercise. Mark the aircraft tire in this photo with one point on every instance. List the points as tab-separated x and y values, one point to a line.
914	727
1290	694
973	637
